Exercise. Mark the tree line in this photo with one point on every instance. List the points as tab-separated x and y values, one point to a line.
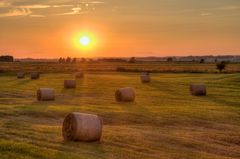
6	58
67	60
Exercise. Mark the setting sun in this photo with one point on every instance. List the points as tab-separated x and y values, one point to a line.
85	40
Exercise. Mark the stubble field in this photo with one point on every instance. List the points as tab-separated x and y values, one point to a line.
164	122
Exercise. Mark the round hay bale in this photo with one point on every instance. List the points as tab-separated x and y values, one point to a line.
145	77
125	94
198	89
20	75
82	127
35	75
79	74
70	84
45	94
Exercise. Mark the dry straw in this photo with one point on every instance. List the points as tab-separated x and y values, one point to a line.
145	77
45	94
70	84
198	89
125	94
82	127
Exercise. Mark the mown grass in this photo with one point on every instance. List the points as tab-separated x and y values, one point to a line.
165	121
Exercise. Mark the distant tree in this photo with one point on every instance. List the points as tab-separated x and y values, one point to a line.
216	60
132	60
60	60
221	66
202	61
63	60
90	60
83	60
74	60
169	59
68	60
6	58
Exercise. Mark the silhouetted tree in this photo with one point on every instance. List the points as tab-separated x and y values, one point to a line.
6	58
63	60
60	60
169	59
112	60
83	60
74	60
221	66
90	60
132	60
68	60
202	61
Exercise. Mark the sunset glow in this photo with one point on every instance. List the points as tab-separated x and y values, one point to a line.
107	28
85	40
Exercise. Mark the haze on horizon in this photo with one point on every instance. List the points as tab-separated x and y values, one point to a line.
47	28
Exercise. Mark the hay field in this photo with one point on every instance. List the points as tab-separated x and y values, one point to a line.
158	67
164	122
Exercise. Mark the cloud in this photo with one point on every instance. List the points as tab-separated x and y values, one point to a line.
62	6
27	8
37	16
74	11
16	12
96	2
38	6
92	2
228	8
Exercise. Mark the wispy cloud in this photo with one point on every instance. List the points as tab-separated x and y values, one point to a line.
38	6
62	6
73	12
29	10
16	12
37	16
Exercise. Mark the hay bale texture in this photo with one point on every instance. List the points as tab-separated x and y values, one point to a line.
79	74
70	84
35	75
45	94
198	90
20	75
82	127
145	77
125	94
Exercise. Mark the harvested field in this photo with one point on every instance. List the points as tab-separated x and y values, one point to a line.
165	121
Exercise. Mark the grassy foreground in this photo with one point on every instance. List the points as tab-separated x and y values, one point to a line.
165	121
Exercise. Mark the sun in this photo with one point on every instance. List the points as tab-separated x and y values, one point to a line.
85	40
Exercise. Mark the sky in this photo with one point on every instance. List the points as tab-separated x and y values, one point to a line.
119	28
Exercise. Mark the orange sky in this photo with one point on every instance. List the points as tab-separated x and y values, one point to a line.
47	28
